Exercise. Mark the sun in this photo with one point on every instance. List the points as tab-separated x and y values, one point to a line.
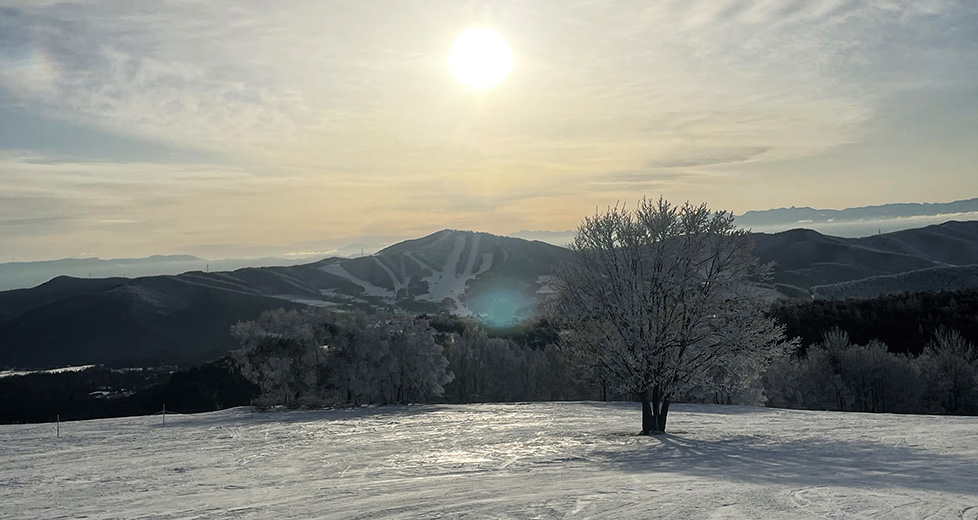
480	59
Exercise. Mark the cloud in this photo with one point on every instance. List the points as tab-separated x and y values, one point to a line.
706	157
34	223
637	177
113	67
266	123
257	76
795	79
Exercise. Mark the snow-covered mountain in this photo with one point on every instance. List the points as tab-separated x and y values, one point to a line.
498	279
185	318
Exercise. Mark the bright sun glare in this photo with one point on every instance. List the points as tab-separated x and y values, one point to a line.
480	59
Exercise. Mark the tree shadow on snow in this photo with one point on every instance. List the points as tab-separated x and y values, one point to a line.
247	415
767	459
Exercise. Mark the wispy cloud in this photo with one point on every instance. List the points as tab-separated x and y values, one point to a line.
233	121
707	157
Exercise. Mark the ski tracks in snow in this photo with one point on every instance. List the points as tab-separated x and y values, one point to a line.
540	460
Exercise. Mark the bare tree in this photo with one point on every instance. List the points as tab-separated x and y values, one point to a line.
660	298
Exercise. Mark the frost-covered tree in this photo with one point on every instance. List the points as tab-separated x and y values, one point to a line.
488	369
420	369
660	298
484	367
836	374
949	370
878	380
316	357
281	352
359	359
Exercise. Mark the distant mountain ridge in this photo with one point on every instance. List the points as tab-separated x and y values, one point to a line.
499	280
19	275
805	215
849	222
805	259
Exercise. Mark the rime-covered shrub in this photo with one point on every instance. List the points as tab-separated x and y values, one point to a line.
315	357
490	369
949	373
280	353
836	374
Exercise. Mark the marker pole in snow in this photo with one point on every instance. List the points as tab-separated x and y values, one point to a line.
59	426
164	415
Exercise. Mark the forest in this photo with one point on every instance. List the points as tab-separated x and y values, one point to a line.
905	322
906	353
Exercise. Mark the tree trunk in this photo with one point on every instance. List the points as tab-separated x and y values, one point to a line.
655	410
663	413
648	422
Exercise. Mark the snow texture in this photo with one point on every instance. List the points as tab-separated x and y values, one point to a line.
79	368
541	460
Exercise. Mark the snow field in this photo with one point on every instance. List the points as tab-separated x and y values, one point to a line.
539	460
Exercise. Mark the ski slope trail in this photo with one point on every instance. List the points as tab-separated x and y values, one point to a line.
395	281
368	288
448	283
539	460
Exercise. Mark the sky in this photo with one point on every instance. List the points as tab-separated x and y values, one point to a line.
248	128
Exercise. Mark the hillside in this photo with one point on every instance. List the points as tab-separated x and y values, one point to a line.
804	259
19	301
141	322
948	278
527	460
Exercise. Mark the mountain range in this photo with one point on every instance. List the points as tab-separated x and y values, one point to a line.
500	281
861	221
185	318
19	275
850	222
803	215
810	264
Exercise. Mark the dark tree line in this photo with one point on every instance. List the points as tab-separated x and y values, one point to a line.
909	352
101	392
904	322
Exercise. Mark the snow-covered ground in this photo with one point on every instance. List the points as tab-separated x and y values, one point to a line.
541	460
